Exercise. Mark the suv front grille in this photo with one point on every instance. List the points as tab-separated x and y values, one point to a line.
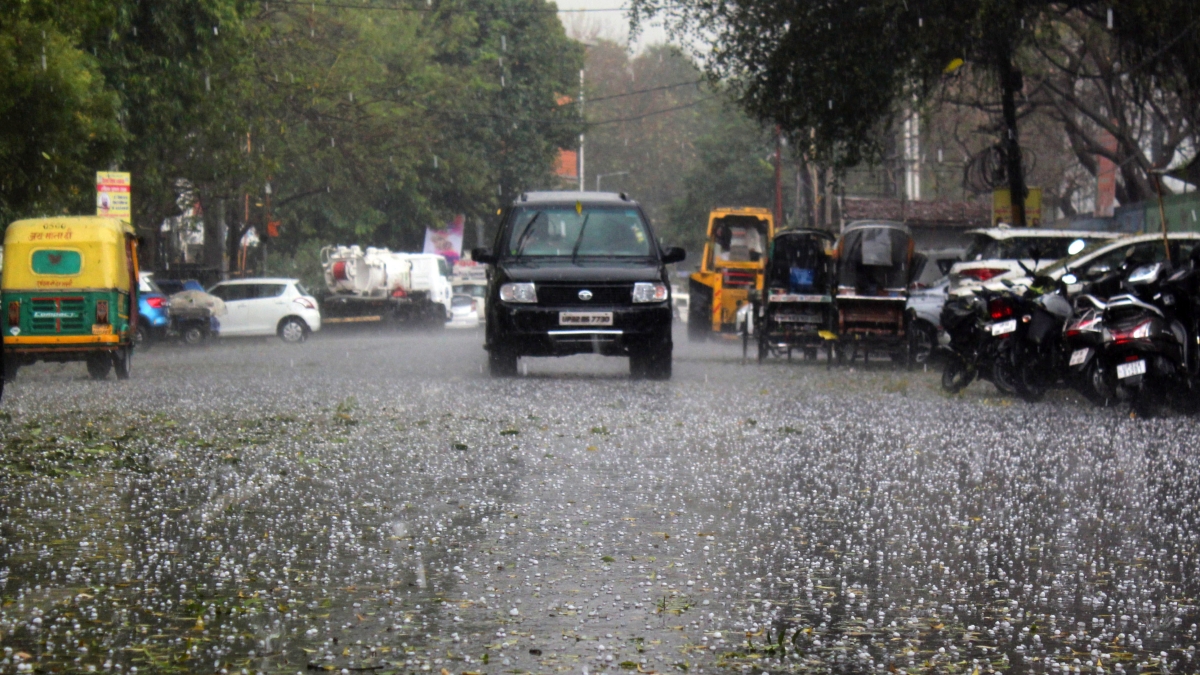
568	294
57	315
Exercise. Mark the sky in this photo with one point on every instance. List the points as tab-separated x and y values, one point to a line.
611	24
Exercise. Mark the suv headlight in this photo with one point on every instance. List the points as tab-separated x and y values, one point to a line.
645	291
519	292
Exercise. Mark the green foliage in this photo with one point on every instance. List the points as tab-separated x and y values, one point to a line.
58	120
367	125
732	169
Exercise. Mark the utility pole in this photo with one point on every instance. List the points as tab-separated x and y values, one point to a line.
582	139
778	177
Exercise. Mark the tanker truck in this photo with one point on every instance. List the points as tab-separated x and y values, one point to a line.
382	286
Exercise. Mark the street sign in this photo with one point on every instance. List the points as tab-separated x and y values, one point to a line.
1002	207
112	194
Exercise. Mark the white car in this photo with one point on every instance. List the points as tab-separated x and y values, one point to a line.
260	307
1128	252
463	313
997	253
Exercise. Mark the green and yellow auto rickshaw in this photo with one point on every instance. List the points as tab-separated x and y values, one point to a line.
69	293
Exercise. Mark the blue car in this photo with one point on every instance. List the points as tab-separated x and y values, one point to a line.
152	311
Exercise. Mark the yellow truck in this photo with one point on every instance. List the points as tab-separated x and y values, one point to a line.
735	257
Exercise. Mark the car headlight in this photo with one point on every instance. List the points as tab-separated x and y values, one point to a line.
645	291
519	292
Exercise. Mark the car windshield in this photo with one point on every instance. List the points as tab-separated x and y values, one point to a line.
575	231
301	289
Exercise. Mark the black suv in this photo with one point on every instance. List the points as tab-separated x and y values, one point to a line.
578	272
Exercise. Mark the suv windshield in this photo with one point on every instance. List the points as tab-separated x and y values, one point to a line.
568	231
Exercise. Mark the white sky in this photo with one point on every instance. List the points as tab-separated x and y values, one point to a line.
610	25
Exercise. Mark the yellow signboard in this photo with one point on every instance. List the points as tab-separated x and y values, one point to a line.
112	194
1002	207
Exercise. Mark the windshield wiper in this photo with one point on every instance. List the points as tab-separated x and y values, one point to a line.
579	240
525	233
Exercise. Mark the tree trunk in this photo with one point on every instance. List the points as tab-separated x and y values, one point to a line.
1010	84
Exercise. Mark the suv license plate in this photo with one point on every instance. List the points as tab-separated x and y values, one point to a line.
1130	369
1079	356
1004	327
585	318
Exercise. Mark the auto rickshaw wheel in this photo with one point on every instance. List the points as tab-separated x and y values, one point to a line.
122	360
10	369
98	365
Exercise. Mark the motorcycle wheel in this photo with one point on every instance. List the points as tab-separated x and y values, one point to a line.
1003	375
1031	376
956	374
1094	387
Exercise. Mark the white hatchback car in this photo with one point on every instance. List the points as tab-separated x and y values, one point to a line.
259	307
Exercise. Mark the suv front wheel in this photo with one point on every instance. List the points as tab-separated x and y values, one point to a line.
652	362
502	361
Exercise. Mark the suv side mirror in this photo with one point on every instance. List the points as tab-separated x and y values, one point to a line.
483	255
673	254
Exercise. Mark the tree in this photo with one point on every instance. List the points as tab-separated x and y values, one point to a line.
838	69
58	117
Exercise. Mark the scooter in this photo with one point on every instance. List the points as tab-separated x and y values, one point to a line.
1145	354
1083	340
1038	351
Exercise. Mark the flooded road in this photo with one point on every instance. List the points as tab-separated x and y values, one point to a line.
375	503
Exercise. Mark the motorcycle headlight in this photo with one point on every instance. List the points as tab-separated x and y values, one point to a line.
524	292
645	291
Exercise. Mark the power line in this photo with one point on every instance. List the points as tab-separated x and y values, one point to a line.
651	114
531	120
440	10
643	91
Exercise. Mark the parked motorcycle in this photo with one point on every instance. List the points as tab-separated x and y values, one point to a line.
980	326
1037	348
1083	340
1145	356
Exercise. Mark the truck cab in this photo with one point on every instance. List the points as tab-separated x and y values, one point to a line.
735	257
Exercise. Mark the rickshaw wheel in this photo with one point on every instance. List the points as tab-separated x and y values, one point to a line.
123	362
10	369
98	365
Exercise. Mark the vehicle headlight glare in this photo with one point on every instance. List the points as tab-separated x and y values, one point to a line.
645	291
519	292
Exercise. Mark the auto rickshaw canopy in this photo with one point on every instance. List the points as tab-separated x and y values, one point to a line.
799	261
875	258
67	253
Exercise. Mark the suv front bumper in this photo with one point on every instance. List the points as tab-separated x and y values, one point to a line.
532	330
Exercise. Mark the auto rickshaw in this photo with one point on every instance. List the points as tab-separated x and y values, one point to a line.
796	310
69	292
874	264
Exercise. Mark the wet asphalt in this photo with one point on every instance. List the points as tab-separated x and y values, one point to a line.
372	502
